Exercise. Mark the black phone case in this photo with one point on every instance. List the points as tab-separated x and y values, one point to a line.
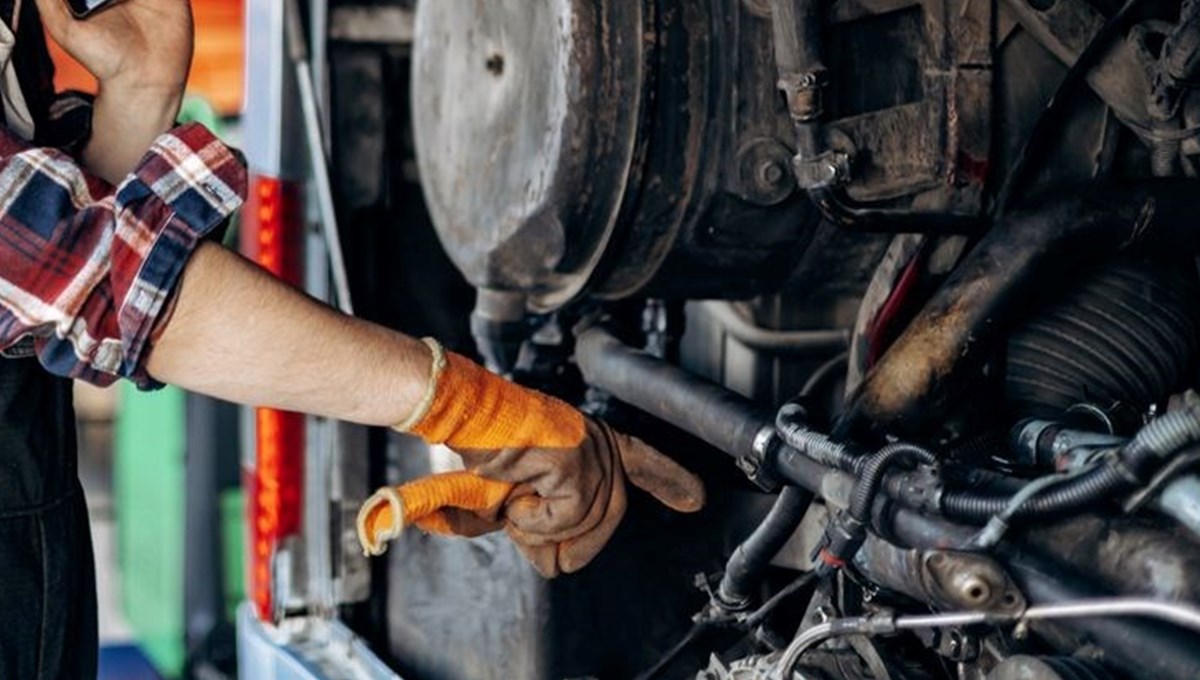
82	8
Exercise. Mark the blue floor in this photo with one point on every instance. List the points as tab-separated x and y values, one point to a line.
125	662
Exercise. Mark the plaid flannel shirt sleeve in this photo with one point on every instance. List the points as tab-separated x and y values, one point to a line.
87	270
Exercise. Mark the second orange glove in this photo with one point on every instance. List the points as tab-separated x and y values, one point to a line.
536	467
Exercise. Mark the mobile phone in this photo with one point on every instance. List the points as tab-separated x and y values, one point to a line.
82	8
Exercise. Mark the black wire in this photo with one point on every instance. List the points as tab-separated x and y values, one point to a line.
663	663
770	605
749	623
1041	140
824	373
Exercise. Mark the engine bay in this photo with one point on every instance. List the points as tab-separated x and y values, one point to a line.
918	276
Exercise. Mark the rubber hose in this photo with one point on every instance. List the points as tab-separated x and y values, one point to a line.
1155	441
1163	436
751	558
862	498
1074	495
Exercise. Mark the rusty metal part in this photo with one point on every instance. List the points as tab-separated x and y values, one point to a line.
915	159
962	580
1130	556
1021	667
1065	28
762	165
908	390
947	579
572	147
695	223
1123	556
1186	616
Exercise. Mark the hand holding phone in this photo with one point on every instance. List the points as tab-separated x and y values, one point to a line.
142	44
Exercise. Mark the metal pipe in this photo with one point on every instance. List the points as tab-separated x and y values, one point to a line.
1185	616
771	340
317	155
909	390
1171	655
1145	649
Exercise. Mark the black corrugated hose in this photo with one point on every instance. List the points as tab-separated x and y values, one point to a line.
1155	441
862	498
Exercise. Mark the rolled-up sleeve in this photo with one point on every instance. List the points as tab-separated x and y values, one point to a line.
86	270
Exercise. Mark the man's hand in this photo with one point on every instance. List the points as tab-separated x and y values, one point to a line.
140	51
554	480
559	506
144	44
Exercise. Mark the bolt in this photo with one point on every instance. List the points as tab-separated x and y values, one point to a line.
770	172
495	64
975	589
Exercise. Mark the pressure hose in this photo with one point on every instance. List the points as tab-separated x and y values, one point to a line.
1135	462
752	557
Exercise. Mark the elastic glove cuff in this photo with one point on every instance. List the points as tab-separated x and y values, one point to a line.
436	367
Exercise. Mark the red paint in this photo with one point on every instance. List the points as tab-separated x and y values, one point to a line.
970	170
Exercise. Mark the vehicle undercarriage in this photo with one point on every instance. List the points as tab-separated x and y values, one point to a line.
911	283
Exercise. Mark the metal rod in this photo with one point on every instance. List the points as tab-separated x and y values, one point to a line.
313	130
1186	616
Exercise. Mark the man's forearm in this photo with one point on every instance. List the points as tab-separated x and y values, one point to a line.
238	334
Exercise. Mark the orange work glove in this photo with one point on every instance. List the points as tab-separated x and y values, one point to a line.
536	467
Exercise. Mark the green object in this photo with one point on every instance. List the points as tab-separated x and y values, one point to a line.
233	541
148	488
150	495
196	109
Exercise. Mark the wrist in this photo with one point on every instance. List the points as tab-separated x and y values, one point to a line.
126	119
149	80
141	104
468	407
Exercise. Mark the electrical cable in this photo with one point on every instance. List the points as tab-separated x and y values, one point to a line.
1129	469
991	534
761	614
825	372
1161	479
665	661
